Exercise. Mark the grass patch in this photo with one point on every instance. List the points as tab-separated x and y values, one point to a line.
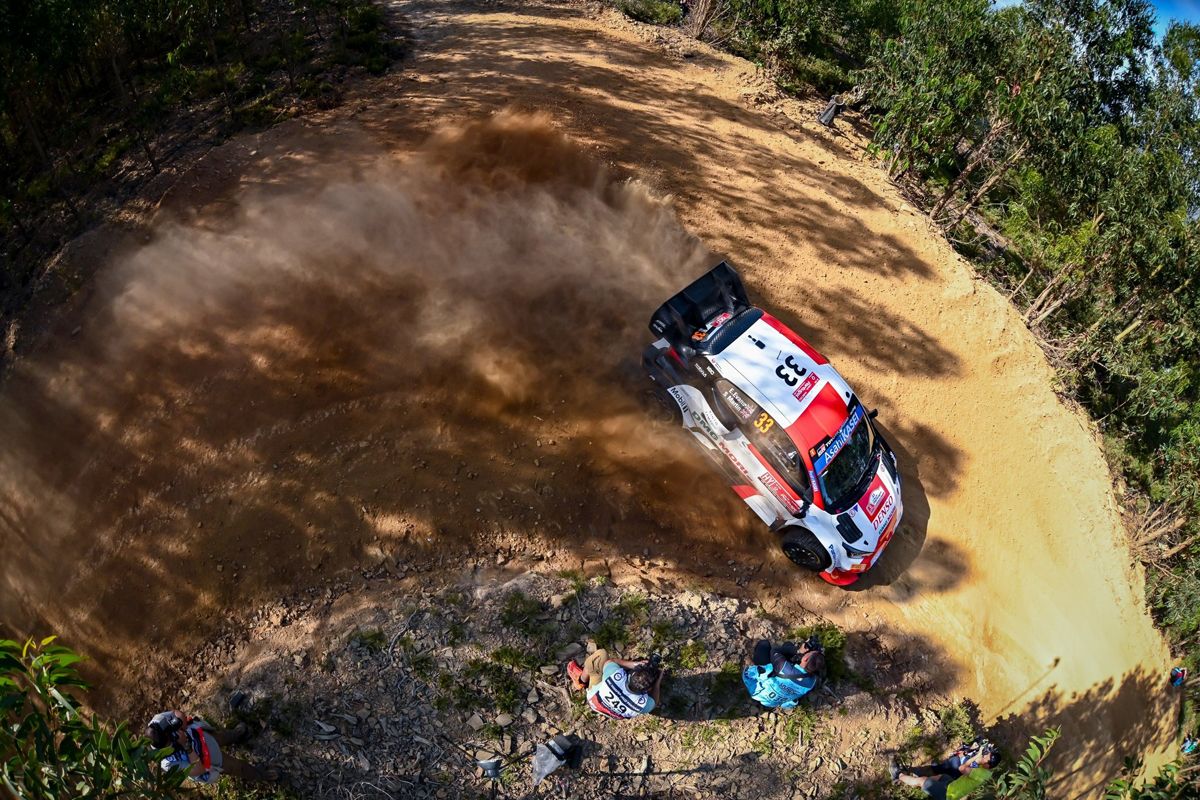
664	633
655	12
955	725
764	746
612	632
514	657
705	733
520	612
579	583
497	682
727	685
372	640
633	608
692	655
799	725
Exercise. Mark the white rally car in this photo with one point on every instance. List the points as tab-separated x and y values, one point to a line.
781	423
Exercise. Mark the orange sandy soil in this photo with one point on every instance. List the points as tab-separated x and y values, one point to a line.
332	345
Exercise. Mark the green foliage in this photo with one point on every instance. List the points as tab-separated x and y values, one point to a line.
692	655
727	691
90	86
515	657
373	640
799	725
655	12
1173	782
833	639
611	634
490	681
1027	779
51	748
521	613
955	725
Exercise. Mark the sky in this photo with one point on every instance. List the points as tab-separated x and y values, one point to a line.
1167	10
1182	10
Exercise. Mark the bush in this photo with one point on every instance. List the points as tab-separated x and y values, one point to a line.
52	749
655	12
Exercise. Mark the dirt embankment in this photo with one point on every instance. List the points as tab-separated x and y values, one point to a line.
344	346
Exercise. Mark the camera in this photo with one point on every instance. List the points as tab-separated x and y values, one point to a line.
655	660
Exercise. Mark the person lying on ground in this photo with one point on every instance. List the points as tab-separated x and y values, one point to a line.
778	677
616	688
955	777
196	746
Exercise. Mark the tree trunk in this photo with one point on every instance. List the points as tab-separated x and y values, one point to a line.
31	129
995	177
978	154
1062	300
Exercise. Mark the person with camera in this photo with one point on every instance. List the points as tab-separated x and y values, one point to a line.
617	688
955	777
779	677
196	746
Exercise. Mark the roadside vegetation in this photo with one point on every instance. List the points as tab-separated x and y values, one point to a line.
99	96
1055	143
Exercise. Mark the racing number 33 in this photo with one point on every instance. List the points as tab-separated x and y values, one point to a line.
764	422
790	363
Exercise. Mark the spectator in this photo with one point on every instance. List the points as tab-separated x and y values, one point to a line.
962	772
196	746
616	688
780	676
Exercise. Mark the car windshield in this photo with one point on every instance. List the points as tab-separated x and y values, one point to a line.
841	472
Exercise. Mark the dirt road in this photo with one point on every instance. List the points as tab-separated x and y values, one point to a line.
340	345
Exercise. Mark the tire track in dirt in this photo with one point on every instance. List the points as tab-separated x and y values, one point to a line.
507	384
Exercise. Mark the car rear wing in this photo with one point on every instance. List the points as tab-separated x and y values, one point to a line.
717	291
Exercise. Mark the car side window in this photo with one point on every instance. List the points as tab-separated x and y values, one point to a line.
778	447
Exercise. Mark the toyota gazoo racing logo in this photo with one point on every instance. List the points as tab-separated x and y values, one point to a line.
806	386
874	500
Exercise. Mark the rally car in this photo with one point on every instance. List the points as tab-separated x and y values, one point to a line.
783	426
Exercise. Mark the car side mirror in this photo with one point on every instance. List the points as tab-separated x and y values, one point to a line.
874	413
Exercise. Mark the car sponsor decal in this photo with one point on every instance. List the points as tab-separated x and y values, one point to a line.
878	503
874	499
825	452
768	480
716	322
681	399
806	386
736	462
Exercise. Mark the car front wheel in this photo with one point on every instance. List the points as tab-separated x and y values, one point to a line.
803	548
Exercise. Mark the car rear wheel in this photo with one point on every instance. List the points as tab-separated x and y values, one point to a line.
662	405
803	548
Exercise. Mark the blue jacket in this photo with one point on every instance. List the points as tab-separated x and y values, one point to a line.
780	691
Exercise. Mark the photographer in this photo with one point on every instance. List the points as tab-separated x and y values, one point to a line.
780	676
959	774
196	746
616	688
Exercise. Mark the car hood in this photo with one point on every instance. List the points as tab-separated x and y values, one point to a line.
866	525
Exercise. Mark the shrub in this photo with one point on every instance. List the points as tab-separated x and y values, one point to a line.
52	749
655	12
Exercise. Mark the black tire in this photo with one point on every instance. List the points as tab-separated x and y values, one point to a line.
803	549
662	406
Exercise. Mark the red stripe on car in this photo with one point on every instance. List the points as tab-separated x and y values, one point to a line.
794	338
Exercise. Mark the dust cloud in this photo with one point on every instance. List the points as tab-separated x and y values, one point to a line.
426	351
